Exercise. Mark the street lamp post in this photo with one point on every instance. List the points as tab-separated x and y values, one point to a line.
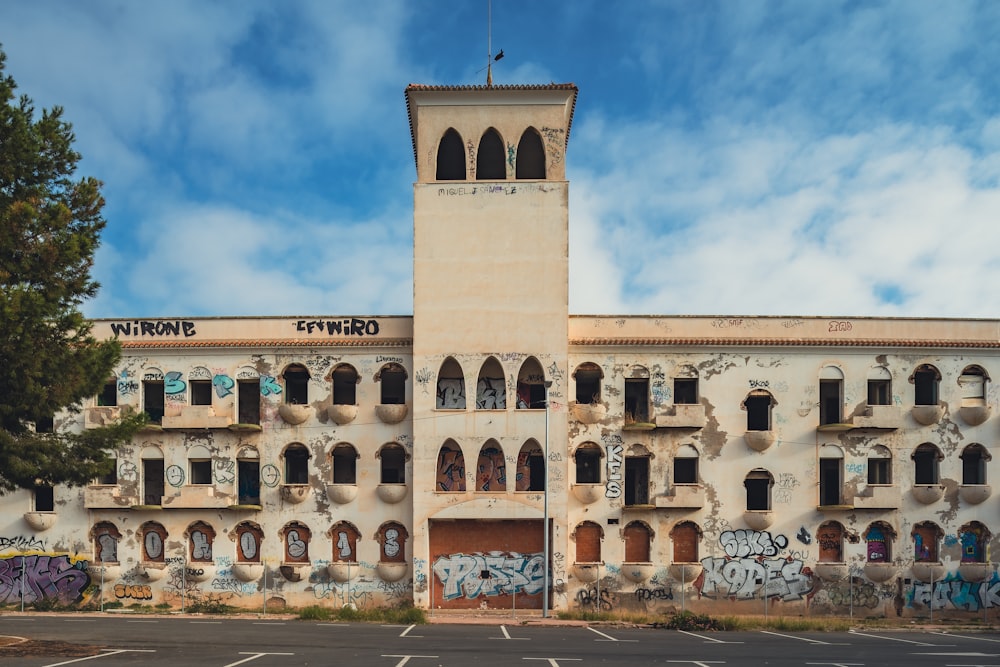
545	510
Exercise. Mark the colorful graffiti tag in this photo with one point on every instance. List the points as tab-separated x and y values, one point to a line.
472	575
749	570
38	577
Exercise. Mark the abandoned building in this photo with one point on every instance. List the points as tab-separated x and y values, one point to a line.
800	465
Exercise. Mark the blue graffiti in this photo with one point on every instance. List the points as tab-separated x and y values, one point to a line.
954	592
223	385
269	385
173	384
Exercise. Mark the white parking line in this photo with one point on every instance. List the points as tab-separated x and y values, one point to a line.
268	623
951	634
552	661
406	658
708	639
253	656
506	635
205	622
609	638
105	654
803	639
407	632
893	639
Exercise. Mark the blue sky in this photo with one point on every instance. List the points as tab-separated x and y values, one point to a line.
726	158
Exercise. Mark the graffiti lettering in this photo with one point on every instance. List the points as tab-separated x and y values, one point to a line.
589	597
747	578
134	591
759	384
644	594
380	359
840	325
55	578
269	385
349	326
613	489
472	575
743	543
21	543
173	384
223	385
153	328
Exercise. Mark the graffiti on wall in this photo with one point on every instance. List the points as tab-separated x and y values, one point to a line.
51	578
450	394
954	593
21	543
615	450
473	575
491	470
134	591
451	469
491	394
750	570
743	543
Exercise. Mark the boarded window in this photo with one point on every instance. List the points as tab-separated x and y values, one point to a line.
491	388
450	468
392	542
588	543
972	386
925	542
201	537
637	541
154	540
106	537
491	469
248	542
830	538
878	543
530	468
973	537
685	537
345	537
296	538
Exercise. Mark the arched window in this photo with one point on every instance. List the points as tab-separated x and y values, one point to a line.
637	476
393	464
972	385
637	396
490	164
588	537
451	157
974	458
248	475
531	392
106	536
758	404
296	378
925	464
450	468
926	537
830	539
200	383
973	537
345	464
154	542
588	463
296	536
450	386
153	397
248	395
831	395
879	386
530	467
344	536
880	465
392	538
491	388
530	155
638	537
686	465
345	385
588	383
686	385
758	484
248	542
878	541
925	385
685	535
199	465
392	383
831	475
491	469
153	480
200	538
296	464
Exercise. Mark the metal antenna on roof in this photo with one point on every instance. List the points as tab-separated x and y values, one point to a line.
490	59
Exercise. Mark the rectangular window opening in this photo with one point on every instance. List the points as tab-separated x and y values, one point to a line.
636	480
152	482
201	392
878	471
878	392
44	498
393	387
109	395
152	400
249	401
829	482
201	471
249	481
685	391
686	471
830	402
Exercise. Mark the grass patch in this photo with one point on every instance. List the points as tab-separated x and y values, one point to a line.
407	615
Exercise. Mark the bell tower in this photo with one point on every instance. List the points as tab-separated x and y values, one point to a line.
490	328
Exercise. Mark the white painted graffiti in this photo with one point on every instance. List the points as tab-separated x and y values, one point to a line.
472	575
21	543
957	594
748	578
613	488
743	543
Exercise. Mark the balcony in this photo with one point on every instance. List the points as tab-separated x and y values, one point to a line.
295	493
685	415
927	415
879	417
587	493
974	415
196	417
101	416
341	414
589	413
759	440
199	497
391	413
391	493
927	493
40	521
107	496
294	414
974	494
758	519
685	496
880	572
881	497
341	493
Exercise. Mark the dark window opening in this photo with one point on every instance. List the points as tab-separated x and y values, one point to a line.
451	157
490	164
45	425
201	392
536	464
636	480
393	382
111	477
201	471
636	400
152	400
345	386
879	471
925	542
530	155
925	386
296	465
830	402
588	465
758	412
296	385
685	471
879	392
685	391
44	498
248	471
974	465
152	481
109	395
925	465
588	384
393	465
758	486
344	465
249	401
829	481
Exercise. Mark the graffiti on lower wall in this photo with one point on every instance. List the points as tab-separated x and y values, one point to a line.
51	578
749	569
473	575
955	593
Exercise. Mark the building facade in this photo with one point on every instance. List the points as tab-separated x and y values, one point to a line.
718	464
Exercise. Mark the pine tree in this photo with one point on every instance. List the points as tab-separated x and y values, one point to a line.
50	225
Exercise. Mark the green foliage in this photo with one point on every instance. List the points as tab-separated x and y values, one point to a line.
50	225
405	615
210	604
691	622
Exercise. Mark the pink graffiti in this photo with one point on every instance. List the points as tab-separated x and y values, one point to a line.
45	578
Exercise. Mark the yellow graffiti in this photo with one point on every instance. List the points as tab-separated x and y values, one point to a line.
134	591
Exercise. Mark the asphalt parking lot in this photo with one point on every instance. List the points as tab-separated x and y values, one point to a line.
115	641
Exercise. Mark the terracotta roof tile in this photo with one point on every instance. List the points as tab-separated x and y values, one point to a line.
785	342
167	344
